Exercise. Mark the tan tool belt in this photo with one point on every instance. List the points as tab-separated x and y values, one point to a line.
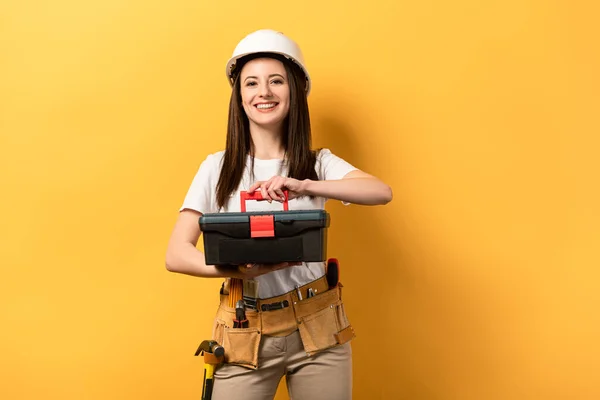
321	321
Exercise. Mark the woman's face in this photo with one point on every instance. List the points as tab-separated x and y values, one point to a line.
265	92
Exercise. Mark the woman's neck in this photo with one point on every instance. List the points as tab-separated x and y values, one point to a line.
268	143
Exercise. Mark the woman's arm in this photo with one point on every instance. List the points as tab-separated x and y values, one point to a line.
183	257
356	187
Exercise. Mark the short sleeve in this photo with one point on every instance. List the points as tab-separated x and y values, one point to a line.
332	167
201	195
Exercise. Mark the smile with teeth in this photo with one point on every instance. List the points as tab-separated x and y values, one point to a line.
266	106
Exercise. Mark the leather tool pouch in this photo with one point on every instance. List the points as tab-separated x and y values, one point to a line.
241	344
321	321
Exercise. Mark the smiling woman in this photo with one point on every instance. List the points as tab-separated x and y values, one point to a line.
268	148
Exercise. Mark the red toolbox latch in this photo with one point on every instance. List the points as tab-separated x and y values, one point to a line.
262	226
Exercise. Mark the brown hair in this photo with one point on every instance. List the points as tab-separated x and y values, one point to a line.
297	138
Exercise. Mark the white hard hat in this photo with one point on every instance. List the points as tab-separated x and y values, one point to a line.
268	41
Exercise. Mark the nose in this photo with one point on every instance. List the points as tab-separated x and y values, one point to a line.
265	90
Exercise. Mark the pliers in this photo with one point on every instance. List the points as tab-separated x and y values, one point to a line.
240	320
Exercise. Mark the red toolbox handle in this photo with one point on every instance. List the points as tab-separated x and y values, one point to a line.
257	195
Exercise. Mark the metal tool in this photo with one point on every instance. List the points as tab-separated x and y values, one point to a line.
250	293
298	292
213	355
240	320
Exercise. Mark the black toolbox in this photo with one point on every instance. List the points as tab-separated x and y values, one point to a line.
264	236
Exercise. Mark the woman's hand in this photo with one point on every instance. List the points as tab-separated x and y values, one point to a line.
248	271
356	187
274	187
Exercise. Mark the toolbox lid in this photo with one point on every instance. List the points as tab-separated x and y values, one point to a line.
285	223
319	216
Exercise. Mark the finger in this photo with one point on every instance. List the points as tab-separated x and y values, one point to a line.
280	194
292	264
271	182
287	265
274	182
244	268
277	188
264	193
280	266
259	269
270	267
273	194
254	186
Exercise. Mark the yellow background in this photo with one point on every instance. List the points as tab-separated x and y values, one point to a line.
479	281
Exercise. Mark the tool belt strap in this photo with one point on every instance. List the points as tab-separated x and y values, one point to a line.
280	315
318	286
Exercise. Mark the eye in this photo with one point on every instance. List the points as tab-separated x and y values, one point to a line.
250	83
277	81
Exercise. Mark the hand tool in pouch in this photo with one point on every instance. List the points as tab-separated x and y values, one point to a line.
225	287
235	291
213	355
333	272
240	320
250	293
298	292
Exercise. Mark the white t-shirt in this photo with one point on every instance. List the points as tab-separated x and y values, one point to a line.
201	197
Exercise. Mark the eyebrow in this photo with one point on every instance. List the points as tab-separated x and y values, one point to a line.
270	76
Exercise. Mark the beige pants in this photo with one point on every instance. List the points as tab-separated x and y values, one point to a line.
324	376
